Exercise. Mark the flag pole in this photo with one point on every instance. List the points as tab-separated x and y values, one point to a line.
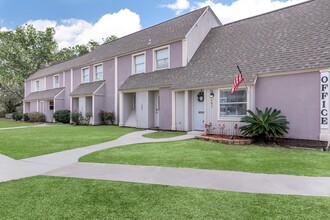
239	70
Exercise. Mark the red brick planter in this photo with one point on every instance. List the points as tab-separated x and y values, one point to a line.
226	139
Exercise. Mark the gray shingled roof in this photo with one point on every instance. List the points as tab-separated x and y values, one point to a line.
168	31
87	88
42	95
290	39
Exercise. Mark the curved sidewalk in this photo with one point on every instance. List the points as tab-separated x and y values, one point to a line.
199	178
11	169
66	164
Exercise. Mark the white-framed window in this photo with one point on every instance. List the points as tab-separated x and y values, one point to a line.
56	81
98	72
85	75
232	105
139	63
51	105
162	58
37	85
134	102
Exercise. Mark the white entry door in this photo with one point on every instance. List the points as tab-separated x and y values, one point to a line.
42	107
157	108
198	112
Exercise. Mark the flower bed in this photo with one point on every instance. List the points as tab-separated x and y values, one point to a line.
225	139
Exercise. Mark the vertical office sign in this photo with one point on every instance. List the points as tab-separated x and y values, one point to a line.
324	113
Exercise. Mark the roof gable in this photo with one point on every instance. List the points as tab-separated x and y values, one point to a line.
165	32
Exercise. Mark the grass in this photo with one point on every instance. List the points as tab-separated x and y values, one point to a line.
24	143
9	123
68	198
164	134
216	156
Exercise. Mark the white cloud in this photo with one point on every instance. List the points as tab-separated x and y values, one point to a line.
179	6
77	31
241	9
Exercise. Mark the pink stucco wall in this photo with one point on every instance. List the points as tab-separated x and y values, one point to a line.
124	68
49	82
76	78
28	87
109	77
165	113
67	90
176	54
298	97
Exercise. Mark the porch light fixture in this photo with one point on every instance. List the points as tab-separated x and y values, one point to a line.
211	94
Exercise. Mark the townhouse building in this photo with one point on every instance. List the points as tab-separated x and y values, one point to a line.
177	75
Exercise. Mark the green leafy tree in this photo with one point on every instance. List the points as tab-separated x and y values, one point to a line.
109	39
22	52
265	125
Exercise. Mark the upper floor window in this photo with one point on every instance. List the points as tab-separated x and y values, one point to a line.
37	85
232	105
139	63
162	58
98	72
56	81
85	75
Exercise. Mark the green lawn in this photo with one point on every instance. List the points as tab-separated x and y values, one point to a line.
9	123
68	198
164	134
29	142
209	155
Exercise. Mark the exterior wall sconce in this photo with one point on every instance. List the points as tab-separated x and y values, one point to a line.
211	94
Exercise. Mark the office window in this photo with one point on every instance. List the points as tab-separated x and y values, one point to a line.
232	105
162	58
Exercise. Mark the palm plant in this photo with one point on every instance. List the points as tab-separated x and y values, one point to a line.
265	125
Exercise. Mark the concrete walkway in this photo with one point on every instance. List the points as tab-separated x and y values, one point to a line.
198	178
32	126
11	169
66	164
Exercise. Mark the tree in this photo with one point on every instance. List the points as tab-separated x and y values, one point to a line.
109	39
22	52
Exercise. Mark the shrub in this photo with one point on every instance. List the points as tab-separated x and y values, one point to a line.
17	116
265	125
107	117
79	119
2	114
62	116
26	117
76	117
36	117
13	116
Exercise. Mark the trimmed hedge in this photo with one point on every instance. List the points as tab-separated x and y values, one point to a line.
62	116
36	117
17	116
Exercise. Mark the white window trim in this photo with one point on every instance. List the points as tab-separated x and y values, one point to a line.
154	57
145	62
82	74
59	84
237	118
94	72
35	85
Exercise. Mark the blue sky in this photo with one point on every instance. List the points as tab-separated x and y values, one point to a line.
76	21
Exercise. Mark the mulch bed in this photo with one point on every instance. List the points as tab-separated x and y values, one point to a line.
225	139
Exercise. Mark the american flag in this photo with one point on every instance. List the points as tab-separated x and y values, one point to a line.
237	81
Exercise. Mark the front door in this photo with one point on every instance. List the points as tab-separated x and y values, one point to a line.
42	107
157	108
198	111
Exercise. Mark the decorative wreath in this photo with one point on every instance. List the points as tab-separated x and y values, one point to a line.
200	96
